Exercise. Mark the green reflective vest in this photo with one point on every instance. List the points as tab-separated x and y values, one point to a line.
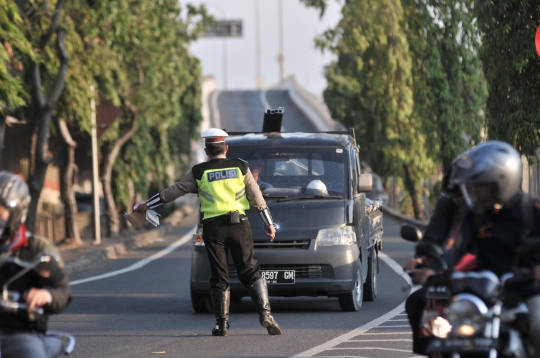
221	186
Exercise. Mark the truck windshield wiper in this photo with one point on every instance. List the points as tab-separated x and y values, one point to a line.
308	197
274	196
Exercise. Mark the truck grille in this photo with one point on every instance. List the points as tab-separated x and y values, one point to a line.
282	244
301	271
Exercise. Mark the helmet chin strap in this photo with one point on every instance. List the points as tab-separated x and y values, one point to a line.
17	241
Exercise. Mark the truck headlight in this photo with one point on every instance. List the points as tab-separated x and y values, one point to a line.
467	316
344	235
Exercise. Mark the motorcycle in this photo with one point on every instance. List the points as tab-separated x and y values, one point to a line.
484	315
57	343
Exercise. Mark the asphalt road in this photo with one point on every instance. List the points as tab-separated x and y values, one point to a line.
147	312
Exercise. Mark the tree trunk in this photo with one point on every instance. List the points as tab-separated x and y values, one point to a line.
2	136
409	184
44	107
69	171
108	163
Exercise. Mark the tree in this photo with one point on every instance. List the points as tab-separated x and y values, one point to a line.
47	78
370	88
512	70
449	87
13	44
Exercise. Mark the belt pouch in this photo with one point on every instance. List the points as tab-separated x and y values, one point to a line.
235	217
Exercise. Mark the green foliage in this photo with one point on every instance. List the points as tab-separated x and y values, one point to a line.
449	88
370	86
512	70
134	52
13	45
318	4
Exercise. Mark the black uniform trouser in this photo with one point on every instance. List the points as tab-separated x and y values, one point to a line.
414	305
220	236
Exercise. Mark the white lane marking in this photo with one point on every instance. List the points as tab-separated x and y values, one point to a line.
137	265
384	333
376	322
395	327
375	349
398	320
380	340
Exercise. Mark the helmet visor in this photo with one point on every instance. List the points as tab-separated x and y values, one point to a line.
480	197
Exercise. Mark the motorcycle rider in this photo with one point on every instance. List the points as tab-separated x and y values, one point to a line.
19	335
502	217
448	213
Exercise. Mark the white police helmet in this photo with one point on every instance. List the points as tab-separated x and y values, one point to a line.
214	135
316	187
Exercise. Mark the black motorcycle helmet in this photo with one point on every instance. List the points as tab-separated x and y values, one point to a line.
448	186
15	197
489	176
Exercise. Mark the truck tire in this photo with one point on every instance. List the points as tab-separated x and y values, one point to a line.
370	286
201	302
352	301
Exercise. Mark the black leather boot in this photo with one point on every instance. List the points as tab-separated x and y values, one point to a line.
259	294
220	304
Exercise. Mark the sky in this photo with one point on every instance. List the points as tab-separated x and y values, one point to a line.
300	27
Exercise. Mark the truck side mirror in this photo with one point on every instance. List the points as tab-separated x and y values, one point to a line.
365	183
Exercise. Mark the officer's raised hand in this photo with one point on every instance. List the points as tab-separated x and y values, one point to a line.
271	231
140	207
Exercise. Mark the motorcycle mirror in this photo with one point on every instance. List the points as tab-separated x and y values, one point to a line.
48	264
48	259
411	233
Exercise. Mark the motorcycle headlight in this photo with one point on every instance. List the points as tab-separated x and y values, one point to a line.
436	325
467	315
336	236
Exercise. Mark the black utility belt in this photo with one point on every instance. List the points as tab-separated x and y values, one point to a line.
234	217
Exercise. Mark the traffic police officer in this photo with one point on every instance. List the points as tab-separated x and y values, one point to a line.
226	187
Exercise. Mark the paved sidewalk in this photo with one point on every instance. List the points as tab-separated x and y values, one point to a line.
79	257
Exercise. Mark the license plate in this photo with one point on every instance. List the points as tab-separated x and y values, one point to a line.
278	276
464	345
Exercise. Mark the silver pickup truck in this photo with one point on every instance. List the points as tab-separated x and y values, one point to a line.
329	233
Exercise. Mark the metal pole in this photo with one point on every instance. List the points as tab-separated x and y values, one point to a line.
258	79
281	55
225	80
95	172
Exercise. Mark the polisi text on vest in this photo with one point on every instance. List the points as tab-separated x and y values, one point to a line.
222	174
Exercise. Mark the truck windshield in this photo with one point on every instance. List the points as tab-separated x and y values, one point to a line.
294	172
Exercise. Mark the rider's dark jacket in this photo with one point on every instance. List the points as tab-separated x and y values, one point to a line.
497	238
57	284
441	221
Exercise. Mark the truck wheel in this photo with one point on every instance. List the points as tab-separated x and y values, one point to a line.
201	302
352	301
370	286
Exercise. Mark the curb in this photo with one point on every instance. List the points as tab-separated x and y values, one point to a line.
114	250
422	225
